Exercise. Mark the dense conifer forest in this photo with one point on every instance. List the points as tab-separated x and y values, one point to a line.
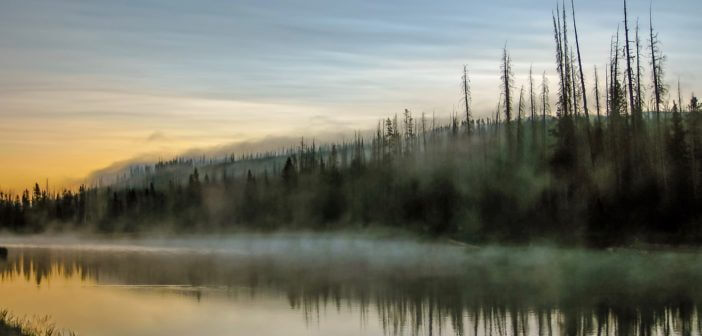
617	157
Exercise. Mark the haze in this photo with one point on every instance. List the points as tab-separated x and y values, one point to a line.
86	83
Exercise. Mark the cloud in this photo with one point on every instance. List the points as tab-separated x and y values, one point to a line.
265	144
118	78
156	136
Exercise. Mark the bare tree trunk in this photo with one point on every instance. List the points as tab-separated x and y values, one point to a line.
567	60
580	64
614	78
520	131
615	112
639	95
607	91
506	76
574	88
466	97
531	94
559	61
634	115
656	85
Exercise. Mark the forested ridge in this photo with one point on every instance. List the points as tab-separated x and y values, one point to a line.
615	158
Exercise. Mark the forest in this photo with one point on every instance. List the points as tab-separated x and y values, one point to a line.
609	162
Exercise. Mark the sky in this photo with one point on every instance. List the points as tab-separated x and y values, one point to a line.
87	83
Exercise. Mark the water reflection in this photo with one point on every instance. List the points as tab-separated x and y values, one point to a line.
436	291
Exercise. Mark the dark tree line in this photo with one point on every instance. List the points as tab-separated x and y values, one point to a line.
632	169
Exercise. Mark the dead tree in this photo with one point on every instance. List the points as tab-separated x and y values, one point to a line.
507	83
532	103
656	65
639	94
580	65
465	88
560	66
634	115
567	60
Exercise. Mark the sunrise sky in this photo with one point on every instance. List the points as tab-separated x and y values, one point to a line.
84	84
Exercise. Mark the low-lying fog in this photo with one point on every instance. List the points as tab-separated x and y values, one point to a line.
410	285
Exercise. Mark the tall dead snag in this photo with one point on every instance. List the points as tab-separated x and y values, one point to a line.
507	83
564	159
567	62
531	93
630	76
580	65
657	67
560	66
617	107
639	94
583	91
658	91
575	104
532	103
606	90
465	89
615	96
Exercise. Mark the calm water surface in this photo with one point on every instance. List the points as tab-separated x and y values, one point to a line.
324	285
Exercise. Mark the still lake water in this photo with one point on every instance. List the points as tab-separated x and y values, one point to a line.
333	285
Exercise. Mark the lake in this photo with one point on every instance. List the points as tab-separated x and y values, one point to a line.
347	285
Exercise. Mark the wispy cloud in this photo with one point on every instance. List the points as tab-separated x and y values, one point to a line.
99	75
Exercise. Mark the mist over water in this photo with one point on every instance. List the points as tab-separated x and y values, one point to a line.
310	284
586	209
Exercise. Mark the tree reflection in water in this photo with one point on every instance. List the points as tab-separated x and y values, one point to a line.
491	291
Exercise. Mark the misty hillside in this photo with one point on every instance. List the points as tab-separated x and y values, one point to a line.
613	160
